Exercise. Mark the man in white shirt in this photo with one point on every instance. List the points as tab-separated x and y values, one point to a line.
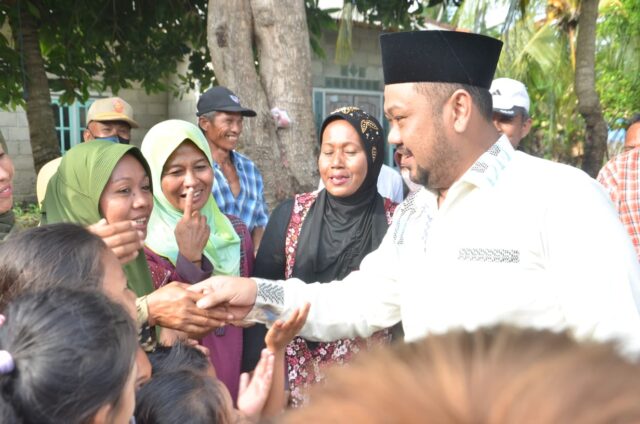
511	109
498	236
389	184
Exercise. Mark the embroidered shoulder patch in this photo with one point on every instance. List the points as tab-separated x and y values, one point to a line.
504	256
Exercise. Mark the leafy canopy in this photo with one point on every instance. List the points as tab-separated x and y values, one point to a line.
101	44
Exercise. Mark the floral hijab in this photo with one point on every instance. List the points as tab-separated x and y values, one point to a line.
338	232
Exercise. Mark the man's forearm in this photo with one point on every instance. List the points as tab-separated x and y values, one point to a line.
269	304
338	309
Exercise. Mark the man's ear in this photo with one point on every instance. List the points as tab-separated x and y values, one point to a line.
526	127
203	123
461	105
86	135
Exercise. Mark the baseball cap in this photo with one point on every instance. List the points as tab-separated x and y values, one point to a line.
221	99
111	109
507	94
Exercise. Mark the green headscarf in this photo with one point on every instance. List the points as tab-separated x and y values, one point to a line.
73	195
223	247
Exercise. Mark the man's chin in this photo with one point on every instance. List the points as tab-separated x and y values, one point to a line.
420	176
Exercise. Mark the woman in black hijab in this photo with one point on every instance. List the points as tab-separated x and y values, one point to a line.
323	236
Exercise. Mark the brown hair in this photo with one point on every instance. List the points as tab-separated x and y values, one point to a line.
55	255
493	375
439	92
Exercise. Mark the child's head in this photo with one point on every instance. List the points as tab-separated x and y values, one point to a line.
183	395
60	255
66	356
499	374
50	256
177	357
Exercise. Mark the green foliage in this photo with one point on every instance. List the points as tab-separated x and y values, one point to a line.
344	50
536	52
398	14
539	38
318	20
101	45
618	59
27	215
11	87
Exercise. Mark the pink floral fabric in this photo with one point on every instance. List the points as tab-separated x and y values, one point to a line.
305	366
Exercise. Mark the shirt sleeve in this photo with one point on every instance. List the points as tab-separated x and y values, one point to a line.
609	179
397	192
365	301
593	260
188	272
161	269
262	212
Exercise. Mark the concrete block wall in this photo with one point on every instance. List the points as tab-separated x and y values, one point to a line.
366	53
148	110
182	106
15	130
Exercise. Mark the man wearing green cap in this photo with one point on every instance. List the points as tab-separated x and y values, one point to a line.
108	119
498	236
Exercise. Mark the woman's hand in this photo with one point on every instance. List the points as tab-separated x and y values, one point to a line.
192	231
121	237
253	394
282	332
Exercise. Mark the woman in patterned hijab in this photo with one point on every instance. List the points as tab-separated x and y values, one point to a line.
323	236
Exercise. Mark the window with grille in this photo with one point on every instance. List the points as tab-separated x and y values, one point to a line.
70	122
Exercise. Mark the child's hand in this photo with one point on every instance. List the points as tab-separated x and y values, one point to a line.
281	333
253	394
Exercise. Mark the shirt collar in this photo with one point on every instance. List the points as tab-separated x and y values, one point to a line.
486	170
234	157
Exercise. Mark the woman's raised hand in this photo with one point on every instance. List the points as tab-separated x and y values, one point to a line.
192	231
121	237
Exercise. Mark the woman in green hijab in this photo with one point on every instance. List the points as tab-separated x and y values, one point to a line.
101	180
189	238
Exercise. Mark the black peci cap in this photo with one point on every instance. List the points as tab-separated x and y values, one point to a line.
221	99
439	56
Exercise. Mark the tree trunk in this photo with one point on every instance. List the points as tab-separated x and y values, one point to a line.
595	143
42	130
277	32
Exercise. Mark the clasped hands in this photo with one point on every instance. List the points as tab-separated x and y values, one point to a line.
227	299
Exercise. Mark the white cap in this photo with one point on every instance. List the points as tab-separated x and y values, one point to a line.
507	94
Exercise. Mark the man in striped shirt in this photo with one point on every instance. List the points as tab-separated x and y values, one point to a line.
620	178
